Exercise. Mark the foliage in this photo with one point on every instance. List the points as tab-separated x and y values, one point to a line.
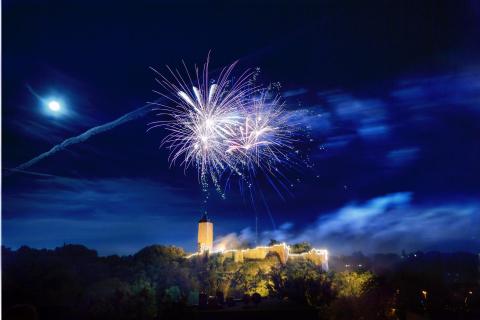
158	282
172	294
301	281
360	295
300	247
251	278
273	242
351	284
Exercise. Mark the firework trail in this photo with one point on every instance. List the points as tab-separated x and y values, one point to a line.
224	127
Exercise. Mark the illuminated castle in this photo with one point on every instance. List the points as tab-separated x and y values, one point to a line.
205	245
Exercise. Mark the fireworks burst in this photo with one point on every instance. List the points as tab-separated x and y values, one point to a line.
225	127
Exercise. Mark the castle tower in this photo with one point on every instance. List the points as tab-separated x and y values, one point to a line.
205	234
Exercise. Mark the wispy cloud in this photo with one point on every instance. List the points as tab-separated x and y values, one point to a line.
106	233
133	115
388	223
294	92
50	196
113	215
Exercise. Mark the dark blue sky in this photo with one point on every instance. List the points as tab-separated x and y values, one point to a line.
390	94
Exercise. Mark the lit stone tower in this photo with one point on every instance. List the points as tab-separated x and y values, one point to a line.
205	234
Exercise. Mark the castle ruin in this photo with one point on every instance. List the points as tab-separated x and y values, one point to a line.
205	246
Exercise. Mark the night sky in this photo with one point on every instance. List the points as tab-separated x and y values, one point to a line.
389	94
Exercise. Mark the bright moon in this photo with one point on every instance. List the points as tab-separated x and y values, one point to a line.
54	105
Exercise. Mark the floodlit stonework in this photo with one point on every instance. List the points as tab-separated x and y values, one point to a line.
318	256
205	246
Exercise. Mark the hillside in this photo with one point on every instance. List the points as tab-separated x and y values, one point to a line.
73	282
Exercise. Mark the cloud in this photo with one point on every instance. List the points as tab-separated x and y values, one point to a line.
294	92
403	156
234	241
112	215
459	89
106	233
388	223
133	115
247	237
51	196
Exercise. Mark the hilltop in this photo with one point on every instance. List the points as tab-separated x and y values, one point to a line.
73	282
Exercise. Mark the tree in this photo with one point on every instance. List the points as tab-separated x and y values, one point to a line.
360	295
273	242
300	247
352	284
172	295
301	281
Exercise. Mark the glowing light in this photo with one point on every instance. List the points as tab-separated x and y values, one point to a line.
424	293
262	251
230	127
54	105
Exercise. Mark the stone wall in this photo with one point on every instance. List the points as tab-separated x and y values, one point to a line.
317	256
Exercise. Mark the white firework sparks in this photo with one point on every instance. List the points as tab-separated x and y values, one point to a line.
224	127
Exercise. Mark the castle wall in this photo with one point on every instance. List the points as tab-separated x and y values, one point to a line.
281	250
205	243
317	256
258	253
238	256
